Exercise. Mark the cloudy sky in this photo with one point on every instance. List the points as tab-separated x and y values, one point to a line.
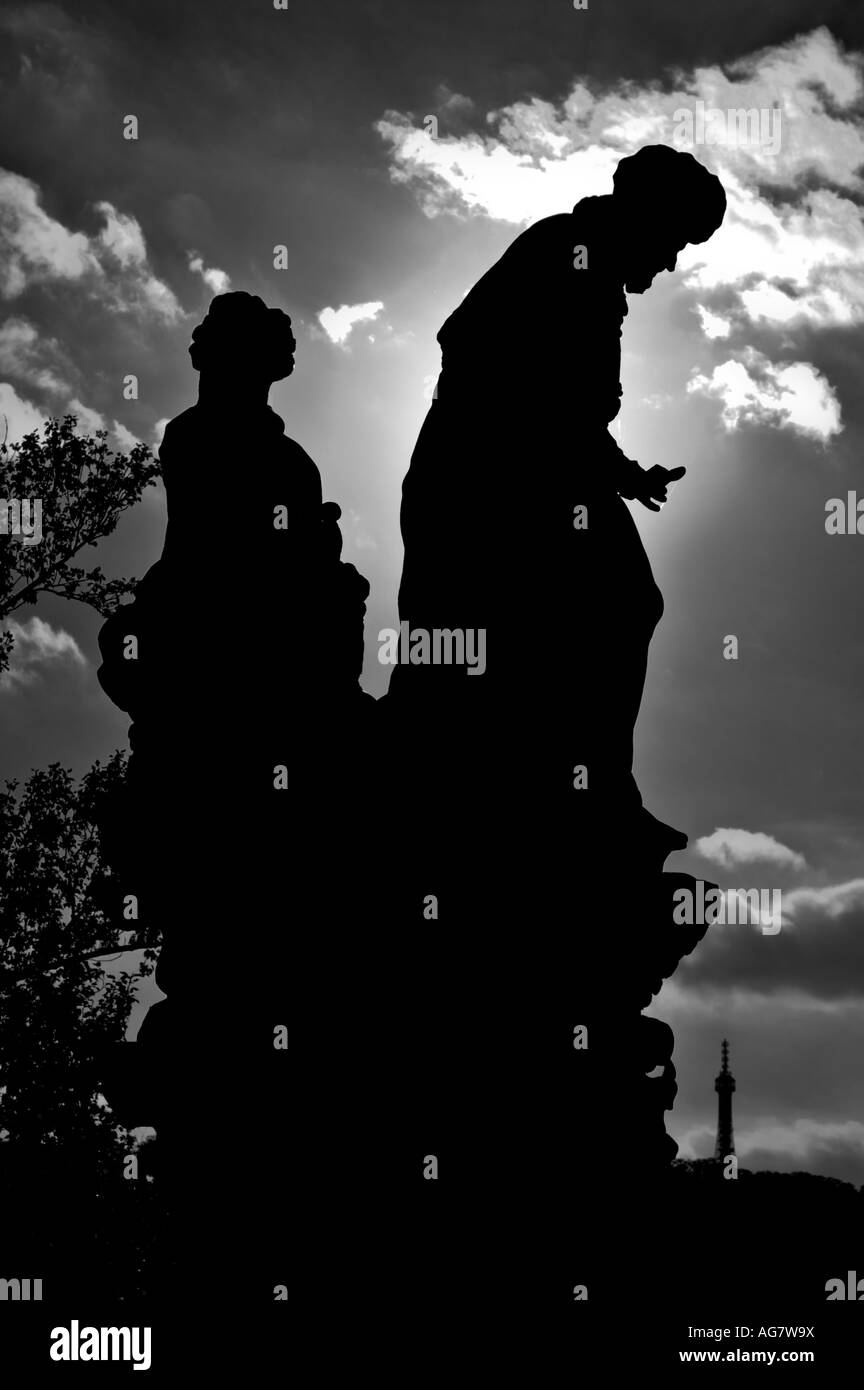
396	149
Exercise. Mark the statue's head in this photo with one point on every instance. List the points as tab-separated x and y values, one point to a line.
242	340
665	199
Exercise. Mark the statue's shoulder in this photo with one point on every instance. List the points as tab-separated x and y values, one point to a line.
518	284
188	419
304	474
178	434
538	240
547	229
295	455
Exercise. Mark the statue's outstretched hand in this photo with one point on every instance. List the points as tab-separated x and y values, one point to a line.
650	487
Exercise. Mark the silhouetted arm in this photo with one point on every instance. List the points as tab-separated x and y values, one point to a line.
625	473
645	485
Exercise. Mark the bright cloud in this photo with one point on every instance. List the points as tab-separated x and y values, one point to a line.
788	263
754	390
518	176
125	438
89	421
713	326
776	262
38	644
36	362
338	323
33	246
217	280
122	236
18	416
24	354
729	848
37	249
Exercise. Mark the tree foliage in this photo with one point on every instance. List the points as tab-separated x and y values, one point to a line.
84	487
59	1009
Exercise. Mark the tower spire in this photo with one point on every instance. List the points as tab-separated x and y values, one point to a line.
724	1085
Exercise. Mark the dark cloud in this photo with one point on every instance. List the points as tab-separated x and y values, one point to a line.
819	950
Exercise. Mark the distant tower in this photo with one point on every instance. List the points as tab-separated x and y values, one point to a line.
724	1086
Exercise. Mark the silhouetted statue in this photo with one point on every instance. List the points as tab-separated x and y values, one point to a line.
515	441
239	662
518	805
246	523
